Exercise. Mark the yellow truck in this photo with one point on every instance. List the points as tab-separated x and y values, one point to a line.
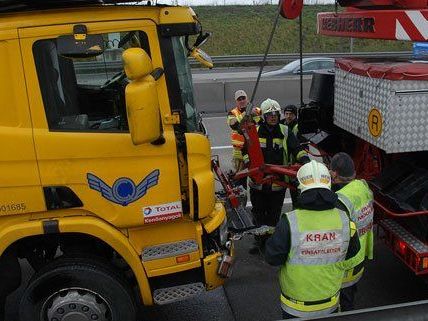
106	185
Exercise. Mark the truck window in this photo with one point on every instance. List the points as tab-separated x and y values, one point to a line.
86	94
186	84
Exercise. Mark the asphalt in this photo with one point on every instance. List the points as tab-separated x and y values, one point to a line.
252	293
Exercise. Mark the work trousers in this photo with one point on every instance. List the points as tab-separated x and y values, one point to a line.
266	206
347	297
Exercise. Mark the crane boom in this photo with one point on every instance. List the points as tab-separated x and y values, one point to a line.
377	19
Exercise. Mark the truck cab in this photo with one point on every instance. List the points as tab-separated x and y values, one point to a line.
105	171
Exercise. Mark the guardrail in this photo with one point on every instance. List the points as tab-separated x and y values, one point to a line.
288	57
116	65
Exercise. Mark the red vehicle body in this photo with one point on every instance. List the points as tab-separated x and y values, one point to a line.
376	111
368	119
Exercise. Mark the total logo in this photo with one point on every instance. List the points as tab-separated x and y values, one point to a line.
162	212
147	210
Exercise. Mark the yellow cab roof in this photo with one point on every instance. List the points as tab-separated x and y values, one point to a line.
87	11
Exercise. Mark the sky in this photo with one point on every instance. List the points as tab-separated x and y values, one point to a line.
229	2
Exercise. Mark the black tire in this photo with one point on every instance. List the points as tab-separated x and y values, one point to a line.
77	286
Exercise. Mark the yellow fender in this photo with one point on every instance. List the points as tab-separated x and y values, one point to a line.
84	225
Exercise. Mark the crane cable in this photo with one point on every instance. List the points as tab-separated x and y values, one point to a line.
249	106
301	58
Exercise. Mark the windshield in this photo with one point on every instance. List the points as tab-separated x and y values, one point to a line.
186	85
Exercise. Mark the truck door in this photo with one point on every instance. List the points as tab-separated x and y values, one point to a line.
83	145
20	190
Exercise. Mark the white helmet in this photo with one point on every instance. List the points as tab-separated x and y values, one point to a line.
313	175
270	106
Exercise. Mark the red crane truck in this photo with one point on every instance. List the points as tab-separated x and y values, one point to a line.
377	110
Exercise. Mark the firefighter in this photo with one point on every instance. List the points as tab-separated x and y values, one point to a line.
290	118
358	198
314	245
277	143
234	118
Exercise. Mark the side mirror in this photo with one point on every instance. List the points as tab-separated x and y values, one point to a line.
201	56
198	54
142	104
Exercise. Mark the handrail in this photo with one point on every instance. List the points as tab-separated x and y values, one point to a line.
395	214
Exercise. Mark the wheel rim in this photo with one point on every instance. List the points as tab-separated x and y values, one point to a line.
76	304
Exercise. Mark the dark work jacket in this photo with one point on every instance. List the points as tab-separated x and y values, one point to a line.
274	155
278	245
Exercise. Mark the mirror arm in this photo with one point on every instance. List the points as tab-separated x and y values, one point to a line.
157	73
186	43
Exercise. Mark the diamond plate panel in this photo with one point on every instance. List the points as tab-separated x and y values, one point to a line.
404	115
177	293
167	250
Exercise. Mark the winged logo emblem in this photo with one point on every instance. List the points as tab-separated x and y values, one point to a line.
124	191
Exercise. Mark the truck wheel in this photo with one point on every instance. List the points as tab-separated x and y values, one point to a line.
77	289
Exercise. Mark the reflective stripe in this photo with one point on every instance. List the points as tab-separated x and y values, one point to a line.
262	140
236	114
302	310
348	204
277	141
237	154
304	245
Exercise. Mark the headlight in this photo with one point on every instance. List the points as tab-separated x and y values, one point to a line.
223	232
